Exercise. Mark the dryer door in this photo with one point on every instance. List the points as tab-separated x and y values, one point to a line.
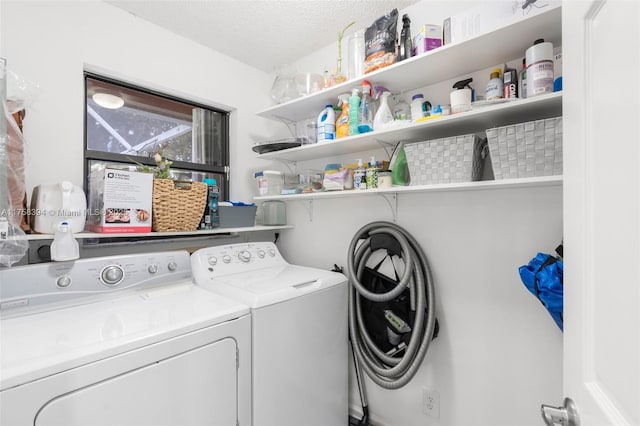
196	387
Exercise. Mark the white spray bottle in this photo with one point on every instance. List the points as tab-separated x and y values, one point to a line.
384	116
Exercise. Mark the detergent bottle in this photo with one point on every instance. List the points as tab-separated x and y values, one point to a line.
399	167
354	108
342	123
365	117
327	124
383	116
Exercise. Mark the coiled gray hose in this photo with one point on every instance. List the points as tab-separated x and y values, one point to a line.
387	371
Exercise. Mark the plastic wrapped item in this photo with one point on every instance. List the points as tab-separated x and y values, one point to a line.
380	42
13	242
16	93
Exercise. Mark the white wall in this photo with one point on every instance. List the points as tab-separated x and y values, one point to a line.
51	42
499	354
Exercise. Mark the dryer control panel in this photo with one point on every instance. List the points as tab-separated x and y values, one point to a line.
30	288
236	258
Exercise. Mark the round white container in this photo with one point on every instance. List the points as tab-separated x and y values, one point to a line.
539	59
460	100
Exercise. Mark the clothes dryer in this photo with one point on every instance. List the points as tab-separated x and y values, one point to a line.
299	331
126	340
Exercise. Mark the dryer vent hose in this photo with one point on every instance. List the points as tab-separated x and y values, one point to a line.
390	372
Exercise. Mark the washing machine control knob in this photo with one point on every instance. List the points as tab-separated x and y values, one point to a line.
226	258
244	256
213	261
63	281
112	275
172	266
272	252
152	269
261	254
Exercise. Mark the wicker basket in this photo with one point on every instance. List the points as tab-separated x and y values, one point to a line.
446	160
526	149
177	205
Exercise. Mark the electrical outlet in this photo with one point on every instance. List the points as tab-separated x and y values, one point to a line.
431	403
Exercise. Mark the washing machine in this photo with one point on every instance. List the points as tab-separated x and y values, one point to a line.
124	340
299	331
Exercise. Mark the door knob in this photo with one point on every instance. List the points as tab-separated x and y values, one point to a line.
566	415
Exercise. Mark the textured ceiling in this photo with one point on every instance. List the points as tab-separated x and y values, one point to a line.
261	33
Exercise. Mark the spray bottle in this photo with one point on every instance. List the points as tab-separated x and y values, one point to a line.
365	117
354	108
384	116
342	123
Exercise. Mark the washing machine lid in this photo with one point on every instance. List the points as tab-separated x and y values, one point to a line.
266	286
38	345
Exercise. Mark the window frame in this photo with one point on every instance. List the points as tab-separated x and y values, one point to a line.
94	155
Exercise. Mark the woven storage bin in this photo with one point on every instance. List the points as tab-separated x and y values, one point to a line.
526	149
446	160
177	205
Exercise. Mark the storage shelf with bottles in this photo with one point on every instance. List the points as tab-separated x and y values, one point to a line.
541	181
478	119
460	58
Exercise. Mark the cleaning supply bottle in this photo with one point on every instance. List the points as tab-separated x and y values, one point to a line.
342	123
211	217
327	124
417	102
406	43
360	176
383	117
365	115
399	166
354	110
495	86
540	70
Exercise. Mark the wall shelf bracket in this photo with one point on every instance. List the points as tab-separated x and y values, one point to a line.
392	202
309	207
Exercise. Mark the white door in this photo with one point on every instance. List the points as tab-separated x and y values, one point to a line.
601	50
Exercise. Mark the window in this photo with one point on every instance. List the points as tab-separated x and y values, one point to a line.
125	125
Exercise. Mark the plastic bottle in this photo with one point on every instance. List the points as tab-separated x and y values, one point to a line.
399	166
495	86
327	124
360	176
383	116
211	217
365	115
523	79
402	111
406	43
342	123
416	106
354	110
372	174
539	68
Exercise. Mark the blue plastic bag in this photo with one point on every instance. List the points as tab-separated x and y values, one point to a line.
543	278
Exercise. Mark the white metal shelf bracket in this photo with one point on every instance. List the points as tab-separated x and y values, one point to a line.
309	206
392	202
386	145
